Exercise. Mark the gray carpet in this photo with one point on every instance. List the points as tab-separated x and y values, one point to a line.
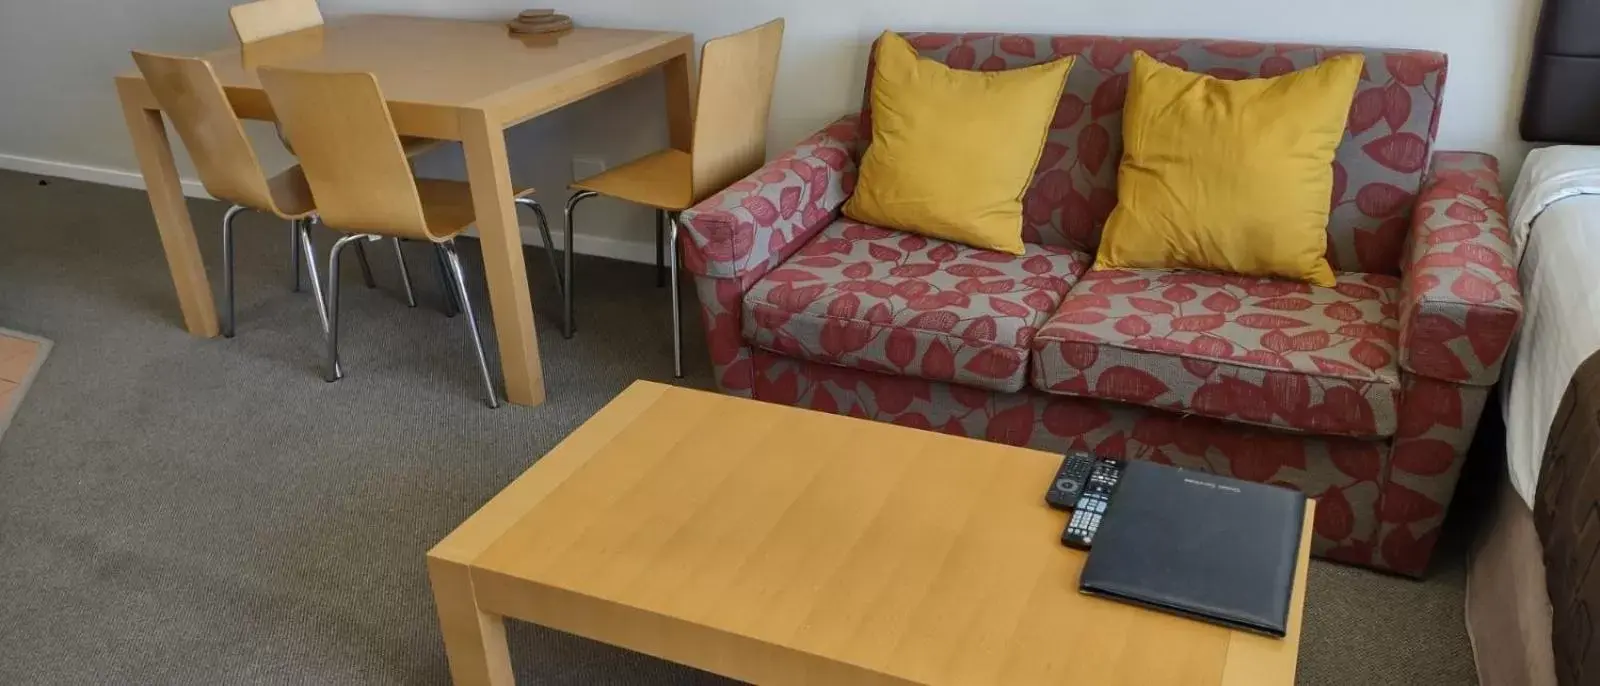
176	510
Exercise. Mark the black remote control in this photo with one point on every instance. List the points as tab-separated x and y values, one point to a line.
1092	504
1064	490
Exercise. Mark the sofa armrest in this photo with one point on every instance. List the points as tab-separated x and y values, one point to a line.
757	223
1462	302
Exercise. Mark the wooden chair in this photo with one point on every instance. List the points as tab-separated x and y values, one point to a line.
264	19
737	73
358	171
257	21
189	93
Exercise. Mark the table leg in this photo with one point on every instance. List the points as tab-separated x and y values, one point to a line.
474	641
489	173
172	215
680	107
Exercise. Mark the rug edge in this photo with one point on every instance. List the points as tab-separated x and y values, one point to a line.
45	346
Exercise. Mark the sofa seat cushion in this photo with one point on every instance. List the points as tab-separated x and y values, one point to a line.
880	300
1260	351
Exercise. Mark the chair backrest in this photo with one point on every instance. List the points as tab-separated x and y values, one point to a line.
348	149
1377	170
737	73
189	93
264	19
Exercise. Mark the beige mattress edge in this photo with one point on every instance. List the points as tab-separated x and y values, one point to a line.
1508	605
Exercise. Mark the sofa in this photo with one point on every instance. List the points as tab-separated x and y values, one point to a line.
1364	396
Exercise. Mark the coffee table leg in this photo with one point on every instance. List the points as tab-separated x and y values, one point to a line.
474	640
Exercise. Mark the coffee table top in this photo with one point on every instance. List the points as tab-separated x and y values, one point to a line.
779	545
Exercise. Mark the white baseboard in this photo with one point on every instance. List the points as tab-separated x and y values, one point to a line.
92	174
600	246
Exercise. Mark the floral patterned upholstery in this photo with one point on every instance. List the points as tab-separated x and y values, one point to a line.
881	300
1378	504
1405	365
757	223
1377	170
1257	351
1463	301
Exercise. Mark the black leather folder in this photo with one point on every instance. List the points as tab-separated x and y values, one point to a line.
1208	547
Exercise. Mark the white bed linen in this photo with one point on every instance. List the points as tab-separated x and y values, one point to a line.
1555	218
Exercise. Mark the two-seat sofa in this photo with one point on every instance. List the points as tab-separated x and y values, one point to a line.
1364	395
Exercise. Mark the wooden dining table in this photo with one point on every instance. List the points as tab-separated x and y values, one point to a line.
444	79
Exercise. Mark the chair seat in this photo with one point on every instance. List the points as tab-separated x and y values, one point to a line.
291	195
870	298
661	180
447	206
1261	351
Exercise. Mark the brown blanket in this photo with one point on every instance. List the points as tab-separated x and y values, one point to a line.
1567	515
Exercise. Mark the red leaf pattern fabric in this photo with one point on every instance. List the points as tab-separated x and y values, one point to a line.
1403	152
920	292
1366	110
1462	299
1437	420
721	312
759	222
1219	351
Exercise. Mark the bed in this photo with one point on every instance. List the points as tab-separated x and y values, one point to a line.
1532	603
1533	585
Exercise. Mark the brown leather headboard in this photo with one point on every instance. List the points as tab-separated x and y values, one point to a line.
1562	104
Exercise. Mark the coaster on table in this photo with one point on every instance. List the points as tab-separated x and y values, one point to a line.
549	22
550	27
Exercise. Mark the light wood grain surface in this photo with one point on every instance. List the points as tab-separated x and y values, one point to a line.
348	147
199	110
783	546
442	79
254	21
737	75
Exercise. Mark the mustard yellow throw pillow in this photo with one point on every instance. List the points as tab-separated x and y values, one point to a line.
1229	176
953	151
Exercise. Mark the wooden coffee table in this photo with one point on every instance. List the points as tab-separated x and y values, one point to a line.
782	546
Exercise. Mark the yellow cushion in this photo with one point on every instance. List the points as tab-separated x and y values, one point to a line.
1229	176
953	151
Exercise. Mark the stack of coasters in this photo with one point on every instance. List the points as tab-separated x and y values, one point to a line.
540	21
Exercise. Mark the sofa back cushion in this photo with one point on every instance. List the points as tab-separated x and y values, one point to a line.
1377	171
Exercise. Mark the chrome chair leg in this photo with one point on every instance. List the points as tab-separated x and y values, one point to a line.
549	243
294	254
303	229
451	307
405	274
677	305
334	371
227	268
366	266
661	237
568	323
449	248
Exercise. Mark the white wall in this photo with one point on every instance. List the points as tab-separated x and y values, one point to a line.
57	59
